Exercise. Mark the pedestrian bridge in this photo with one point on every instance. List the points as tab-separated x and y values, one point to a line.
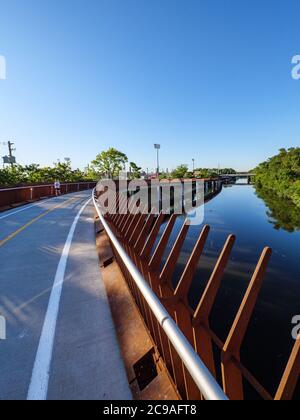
60	338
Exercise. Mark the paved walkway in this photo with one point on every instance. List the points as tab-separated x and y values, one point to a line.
61	341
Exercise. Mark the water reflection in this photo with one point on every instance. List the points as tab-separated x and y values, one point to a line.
282	213
241	211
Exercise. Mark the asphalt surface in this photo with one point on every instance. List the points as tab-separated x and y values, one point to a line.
85	362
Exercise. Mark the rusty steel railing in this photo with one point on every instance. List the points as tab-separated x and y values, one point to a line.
133	237
12	196
169	331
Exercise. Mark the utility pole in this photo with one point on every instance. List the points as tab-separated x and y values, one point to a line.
10	154
193	165
9	159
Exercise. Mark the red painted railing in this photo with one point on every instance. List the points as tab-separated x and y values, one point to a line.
14	196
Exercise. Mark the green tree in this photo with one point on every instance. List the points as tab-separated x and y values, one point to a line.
164	175
109	163
179	172
281	174
135	170
91	174
13	175
225	171
206	173
33	174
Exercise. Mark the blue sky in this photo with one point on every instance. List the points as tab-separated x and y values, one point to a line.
209	80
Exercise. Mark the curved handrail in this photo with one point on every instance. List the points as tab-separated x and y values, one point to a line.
28	187
205	381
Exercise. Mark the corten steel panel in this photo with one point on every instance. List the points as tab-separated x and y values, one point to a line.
19	195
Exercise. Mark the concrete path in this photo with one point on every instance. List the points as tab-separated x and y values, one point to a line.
61	341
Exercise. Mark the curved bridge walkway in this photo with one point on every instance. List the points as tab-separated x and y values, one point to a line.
60	338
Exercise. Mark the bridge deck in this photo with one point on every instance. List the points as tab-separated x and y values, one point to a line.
61	341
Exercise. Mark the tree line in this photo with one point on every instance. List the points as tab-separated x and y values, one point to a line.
35	174
182	171
108	163
281	174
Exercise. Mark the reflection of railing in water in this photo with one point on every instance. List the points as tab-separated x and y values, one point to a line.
138	235
209	190
195	189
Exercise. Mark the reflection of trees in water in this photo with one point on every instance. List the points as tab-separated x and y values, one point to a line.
283	214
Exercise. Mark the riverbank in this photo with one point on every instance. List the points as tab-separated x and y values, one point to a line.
281	175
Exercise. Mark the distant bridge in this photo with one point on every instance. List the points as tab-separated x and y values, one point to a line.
238	175
232	178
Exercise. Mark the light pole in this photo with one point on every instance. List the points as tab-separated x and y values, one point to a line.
193	165
157	148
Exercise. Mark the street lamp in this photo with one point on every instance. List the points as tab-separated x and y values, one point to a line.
157	148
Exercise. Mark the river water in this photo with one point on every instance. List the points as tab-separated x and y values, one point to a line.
257	220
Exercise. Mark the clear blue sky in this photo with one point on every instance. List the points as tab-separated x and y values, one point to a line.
209	80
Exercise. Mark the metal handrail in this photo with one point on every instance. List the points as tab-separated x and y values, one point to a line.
205	381
28	187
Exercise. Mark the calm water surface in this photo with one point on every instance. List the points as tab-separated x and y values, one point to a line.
256	222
